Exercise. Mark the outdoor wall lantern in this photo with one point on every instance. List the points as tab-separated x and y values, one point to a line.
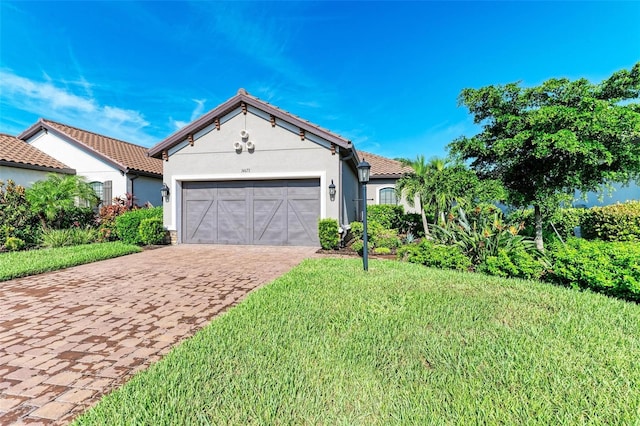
363	176
332	191
165	192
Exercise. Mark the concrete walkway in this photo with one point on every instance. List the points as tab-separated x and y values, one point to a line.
69	337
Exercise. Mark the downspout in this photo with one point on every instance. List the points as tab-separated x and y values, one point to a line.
131	179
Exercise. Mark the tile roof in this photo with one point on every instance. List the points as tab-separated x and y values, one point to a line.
124	155
242	97
21	154
382	167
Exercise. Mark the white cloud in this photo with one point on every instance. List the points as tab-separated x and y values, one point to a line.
199	109
14	86
48	100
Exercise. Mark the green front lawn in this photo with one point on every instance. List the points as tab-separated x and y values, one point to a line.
25	263
401	344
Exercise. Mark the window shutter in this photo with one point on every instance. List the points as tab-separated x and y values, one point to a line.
107	196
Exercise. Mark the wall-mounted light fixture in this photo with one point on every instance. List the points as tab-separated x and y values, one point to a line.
164	191
332	191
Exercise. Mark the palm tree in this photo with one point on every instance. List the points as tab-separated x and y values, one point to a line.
49	198
435	184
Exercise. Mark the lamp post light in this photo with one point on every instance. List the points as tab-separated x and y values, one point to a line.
363	176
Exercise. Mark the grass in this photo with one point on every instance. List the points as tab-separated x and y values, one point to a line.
401	344
25	263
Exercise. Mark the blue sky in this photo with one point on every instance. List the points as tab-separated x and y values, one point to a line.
384	74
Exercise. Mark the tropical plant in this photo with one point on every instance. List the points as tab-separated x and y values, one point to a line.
483	237
440	184
50	198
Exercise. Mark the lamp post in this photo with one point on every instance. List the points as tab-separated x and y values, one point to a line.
363	177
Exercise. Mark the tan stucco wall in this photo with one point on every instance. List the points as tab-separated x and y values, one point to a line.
373	194
279	154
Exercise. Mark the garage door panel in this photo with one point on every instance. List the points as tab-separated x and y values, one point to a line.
275	212
269	222
232	222
302	221
200	221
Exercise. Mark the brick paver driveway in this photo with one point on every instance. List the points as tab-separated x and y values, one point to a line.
68	337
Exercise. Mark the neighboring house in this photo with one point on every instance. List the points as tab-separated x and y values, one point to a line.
620	194
113	167
381	189
250	173
25	164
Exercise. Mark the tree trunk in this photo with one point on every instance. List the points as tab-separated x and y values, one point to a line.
538	220
43	221
427	234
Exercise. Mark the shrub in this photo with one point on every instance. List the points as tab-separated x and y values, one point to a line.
328	233
611	268
382	250
384	238
515	263
411	223
435	255
617	222
388	215
107	220
84	236
357	230
57	238
358	246
128	223
151	231
16	218
13	244
80	217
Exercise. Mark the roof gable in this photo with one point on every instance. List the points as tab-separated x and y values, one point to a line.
125	156
18	153
243	100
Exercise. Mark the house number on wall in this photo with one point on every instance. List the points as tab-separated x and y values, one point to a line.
245	170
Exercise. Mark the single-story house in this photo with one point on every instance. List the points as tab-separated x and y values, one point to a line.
385	172
114	168
25	164
248	172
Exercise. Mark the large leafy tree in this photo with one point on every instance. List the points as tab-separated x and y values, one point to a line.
558	137
50	198
440	183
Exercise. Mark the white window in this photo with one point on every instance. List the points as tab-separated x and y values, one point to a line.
387	196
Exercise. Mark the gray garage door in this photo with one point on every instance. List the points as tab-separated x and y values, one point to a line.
274	212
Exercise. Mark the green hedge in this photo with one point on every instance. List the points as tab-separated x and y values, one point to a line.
617	222
612	268
328	234
435	255
128	224
151	231
388	215
517	263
